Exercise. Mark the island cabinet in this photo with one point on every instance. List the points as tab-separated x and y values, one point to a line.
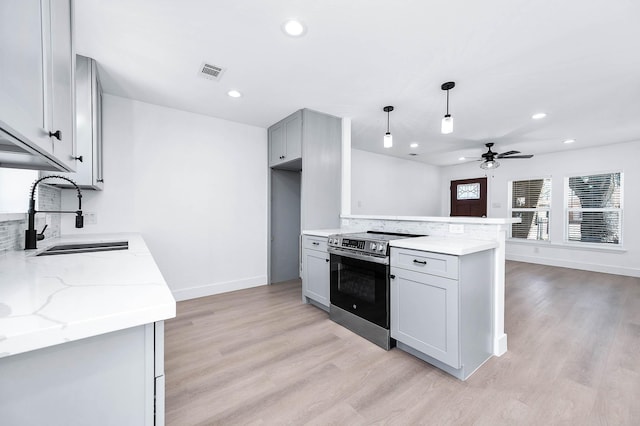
37	85
285	140
441	307
315	271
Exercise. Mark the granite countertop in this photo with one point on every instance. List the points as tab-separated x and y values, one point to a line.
48	300
454	246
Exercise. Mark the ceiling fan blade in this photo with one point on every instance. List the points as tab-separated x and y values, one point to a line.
517	156
508	153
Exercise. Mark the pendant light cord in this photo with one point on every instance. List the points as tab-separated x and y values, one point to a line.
388	121
447	101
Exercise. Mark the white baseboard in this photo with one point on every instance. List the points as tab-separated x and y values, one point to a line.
217	288
593	267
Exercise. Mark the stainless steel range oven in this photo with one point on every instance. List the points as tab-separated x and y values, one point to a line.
359	283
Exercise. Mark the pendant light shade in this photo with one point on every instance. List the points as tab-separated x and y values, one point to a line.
447	124
388	138
447	121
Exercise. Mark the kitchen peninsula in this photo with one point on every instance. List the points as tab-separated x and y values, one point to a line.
455	252
81	335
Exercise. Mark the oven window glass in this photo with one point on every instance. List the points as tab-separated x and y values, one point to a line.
360	287
359	283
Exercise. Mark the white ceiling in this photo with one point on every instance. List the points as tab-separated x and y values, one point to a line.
576	60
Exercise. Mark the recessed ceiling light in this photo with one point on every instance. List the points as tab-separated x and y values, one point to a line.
294	28
538	115
461	159
234	93
414	145
569	141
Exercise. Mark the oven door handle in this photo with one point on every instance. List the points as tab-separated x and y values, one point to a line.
358	256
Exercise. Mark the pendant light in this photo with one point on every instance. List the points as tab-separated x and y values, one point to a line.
447	121
388	139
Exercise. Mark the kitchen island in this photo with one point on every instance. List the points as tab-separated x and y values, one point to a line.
463	251
81	335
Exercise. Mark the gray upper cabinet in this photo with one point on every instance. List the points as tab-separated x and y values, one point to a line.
285	140
89	174
36	85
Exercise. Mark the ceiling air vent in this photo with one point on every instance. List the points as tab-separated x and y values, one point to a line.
212	72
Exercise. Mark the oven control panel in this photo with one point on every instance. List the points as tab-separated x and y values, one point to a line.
353	244
368	246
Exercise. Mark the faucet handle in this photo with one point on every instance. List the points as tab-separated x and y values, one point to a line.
40	236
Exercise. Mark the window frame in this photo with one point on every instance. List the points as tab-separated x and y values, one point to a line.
512	209
567	210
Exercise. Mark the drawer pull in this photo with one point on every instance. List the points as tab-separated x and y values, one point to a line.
393	277
421	262
315	243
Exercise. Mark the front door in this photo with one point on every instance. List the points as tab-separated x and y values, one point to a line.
469	197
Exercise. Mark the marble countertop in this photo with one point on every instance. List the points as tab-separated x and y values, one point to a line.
324	232
445	219
48	300
454	246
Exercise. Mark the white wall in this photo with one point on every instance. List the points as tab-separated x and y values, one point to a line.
384	185
194	186
618	157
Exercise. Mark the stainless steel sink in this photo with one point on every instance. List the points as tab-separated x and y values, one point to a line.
84	248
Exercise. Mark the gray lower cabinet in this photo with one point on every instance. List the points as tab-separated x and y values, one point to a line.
441	308
115	378
315	270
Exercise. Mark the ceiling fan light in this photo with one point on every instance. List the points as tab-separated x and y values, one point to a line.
388	140
489	165
447	124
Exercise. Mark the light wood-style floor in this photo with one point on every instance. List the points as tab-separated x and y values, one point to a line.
261	356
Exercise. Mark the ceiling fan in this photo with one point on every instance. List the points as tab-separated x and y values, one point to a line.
489	157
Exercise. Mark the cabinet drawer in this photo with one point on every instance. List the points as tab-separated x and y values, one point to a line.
314	243
442	265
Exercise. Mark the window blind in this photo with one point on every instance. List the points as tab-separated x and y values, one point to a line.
531	202
594	208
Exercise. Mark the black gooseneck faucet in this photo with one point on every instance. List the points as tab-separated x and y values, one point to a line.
31	235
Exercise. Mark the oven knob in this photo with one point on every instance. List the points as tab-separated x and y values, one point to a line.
373	246
381	247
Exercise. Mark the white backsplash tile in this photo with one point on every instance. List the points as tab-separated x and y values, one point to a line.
12	230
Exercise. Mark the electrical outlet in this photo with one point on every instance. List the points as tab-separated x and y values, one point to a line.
91	218
456	228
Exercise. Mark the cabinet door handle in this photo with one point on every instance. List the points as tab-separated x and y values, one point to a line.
326	260
315	243
100	180
393	277
78	158
421	262
57	134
